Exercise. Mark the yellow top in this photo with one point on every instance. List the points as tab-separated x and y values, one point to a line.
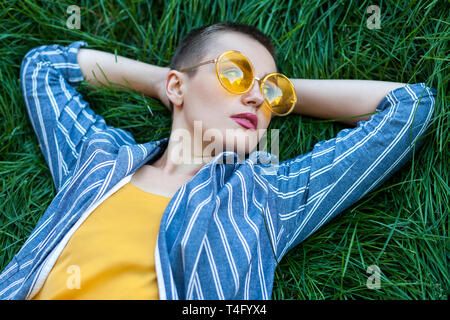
111	255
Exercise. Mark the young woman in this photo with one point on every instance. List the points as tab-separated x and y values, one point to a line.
132	221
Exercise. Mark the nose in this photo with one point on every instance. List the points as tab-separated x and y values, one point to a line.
253	97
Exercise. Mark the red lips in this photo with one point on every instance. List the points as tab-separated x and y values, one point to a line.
247	120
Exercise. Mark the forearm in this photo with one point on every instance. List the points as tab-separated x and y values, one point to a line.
127	73
336	99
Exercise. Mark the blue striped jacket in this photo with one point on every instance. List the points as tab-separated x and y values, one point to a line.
224	231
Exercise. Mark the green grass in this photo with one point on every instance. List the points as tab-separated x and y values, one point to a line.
401	227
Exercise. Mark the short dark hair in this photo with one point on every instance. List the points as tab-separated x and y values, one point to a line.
193	46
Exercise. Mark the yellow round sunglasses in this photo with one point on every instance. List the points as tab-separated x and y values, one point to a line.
235	73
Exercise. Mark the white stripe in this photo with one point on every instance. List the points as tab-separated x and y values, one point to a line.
244	203
107	181
75	121
268	218
279	234
255	230
100	131
214	272
261	274
60	161
175	205
190	286
62	85
38	280
11	285
65	65
122	135
188	232
36	232
83	107
325	151
247	283
43	244
226	245
233	222
173	287
159	273
26	264
195	214
66	108
294	174
51	53
144	151
12	294
6	271
50	95
373	165
54	254
311	199
408	149
197	287
92	141
39	114
98	166
313	209
130	160
354	147
269	221
67	137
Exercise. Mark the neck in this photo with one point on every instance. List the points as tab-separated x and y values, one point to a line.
184	153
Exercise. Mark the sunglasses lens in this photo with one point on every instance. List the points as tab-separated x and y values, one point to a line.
235	72
279	93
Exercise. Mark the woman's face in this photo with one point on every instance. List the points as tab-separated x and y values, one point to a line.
203	99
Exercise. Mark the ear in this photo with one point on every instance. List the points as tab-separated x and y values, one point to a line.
175	87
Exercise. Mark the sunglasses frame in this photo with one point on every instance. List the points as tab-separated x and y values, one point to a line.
260	81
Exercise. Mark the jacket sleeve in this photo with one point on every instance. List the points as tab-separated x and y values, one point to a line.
61	118
314	188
